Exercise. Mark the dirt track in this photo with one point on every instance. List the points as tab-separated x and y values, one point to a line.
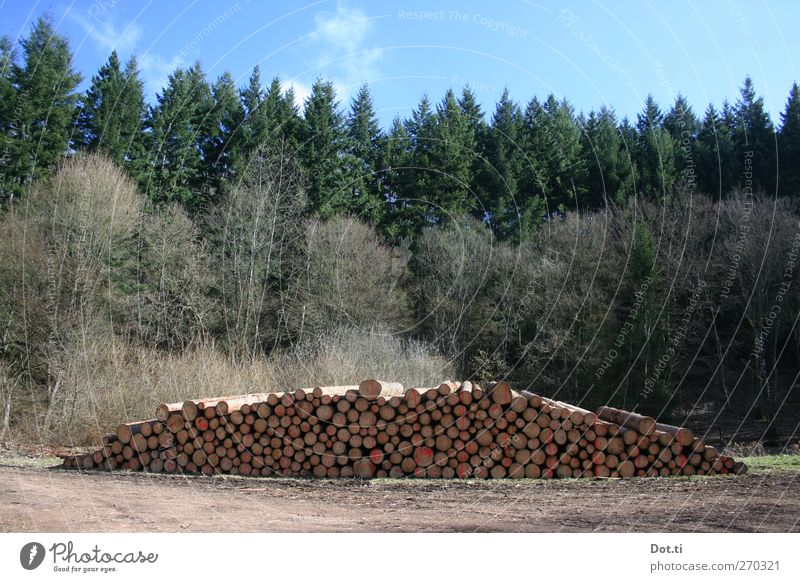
35	499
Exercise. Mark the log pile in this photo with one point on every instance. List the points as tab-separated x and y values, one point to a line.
379	429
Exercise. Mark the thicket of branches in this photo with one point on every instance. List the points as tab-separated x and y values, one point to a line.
224	233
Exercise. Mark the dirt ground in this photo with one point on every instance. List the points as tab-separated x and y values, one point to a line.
41	499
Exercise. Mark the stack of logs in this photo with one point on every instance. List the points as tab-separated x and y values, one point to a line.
379	429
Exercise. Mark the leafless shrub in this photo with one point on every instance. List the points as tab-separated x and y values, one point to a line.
105	381
89	206
570	273
56	263
454	269
343	276
737	450
9	384
253	227
172	304
345	356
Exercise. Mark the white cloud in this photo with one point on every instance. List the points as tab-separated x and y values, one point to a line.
108	37
155	71
343	37
301	92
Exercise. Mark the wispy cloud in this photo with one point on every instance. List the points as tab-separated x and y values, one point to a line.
301	91
155	71
106	36
344	52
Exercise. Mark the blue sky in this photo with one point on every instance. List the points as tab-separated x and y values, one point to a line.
593	53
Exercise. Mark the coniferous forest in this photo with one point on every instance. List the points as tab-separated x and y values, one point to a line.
224	233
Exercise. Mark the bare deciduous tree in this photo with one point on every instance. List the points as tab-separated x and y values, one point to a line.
253	227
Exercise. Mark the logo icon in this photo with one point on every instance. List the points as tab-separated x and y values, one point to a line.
31	555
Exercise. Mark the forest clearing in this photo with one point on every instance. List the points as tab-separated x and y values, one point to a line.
40	498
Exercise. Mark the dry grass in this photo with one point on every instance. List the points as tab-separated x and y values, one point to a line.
349	355
104	381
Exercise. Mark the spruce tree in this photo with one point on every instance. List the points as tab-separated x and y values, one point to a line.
451	161
363	153
682	125
789	145
287	115
552	147
533	179
111	114
42	108
755	133
498	181
655	152
715	157
177	134
419	182
223	158
254	127
609	178
396	175
7	100
473	113
323	140
680	121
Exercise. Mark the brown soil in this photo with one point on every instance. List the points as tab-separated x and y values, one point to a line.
54	500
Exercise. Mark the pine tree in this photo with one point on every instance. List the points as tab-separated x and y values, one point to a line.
655	152
789	142
395	159
223	157
609	175
323	140
254	127
7	100
111	114
680	121
42	108
451	162
552	145
755	135
474	115
715	157
498	181
176	137
682	125
363	153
